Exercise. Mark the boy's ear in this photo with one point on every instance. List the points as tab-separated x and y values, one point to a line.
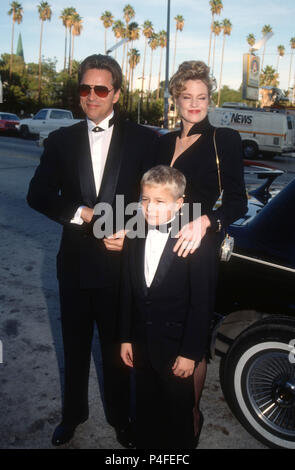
179	203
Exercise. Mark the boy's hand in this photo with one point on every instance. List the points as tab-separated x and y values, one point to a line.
115	242
183	367
127	354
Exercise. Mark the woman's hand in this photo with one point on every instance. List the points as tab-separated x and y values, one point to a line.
183	367
127	354
115	242
190	236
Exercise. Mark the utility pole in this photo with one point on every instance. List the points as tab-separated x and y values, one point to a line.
166	91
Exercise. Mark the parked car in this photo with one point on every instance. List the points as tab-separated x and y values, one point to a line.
8	122
46	121
254	325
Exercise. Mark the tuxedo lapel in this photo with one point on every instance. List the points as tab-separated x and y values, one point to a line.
112	167
139	265
81	147
165	262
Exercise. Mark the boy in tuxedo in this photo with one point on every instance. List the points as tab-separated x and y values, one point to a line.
164	319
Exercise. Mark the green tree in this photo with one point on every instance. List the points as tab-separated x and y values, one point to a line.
16	11
45	13
119	32
153	43
147	31
107	20
179	27
129	13
66	17
76	31
281	53
217	28
265	30
292	44
162	43
227	27
251	41
216	7
269	77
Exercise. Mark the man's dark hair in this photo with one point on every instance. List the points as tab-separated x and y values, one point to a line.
102	62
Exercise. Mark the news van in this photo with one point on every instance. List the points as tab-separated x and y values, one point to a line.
268	132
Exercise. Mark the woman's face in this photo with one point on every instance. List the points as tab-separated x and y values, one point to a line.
193	101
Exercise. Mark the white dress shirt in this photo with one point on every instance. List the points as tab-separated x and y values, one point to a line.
154	246
99	147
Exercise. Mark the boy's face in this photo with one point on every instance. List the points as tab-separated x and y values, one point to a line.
159	204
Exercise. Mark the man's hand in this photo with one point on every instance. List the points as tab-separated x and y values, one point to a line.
87	214
127	354
183	367
190	236
115	242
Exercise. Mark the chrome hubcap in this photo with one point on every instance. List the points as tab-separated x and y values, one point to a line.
271	391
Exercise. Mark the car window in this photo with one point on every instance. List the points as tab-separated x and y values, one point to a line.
56	114
9	117
41	114
289	122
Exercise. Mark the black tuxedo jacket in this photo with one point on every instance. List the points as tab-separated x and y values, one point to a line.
64	181
172	316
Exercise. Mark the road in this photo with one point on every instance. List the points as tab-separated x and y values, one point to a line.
31	370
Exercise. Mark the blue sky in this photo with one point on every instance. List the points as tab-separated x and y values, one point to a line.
193	42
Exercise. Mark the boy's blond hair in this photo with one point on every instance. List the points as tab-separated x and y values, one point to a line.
162	175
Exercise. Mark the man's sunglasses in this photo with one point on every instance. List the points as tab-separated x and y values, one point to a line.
100	90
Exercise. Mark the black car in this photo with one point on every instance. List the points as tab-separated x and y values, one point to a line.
254	327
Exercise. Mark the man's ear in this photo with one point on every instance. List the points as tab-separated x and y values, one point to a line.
116	96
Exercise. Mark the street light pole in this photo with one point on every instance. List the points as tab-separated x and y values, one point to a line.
166	92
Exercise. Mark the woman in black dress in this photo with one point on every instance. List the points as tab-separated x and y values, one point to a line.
191	150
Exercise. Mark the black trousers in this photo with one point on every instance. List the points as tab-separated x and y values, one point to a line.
80	310
164	408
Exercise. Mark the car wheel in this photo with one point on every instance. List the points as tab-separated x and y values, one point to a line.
257	377
250	150
24	132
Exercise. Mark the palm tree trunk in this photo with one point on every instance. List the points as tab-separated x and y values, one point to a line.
70	47
213	58
40	59
278	63
174	53
123	57
290	69
72	56
11	53
263	57
210	41
221	67
151	68
66	40
143	67
105	40
160	70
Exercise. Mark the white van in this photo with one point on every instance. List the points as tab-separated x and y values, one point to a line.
267	132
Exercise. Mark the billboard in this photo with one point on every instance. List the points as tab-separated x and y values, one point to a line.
251	72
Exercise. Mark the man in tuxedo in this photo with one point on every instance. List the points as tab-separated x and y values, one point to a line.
88	163
165	316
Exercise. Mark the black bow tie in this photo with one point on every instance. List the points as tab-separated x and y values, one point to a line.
100	129
161	228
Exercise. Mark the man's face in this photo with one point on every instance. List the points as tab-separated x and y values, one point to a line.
158	204
96	108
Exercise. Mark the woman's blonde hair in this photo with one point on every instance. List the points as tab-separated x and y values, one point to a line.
190	70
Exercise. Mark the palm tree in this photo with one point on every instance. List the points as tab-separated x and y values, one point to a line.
179	27
265	30
147	31
292	44
66	12
216	7
129	13
134	59
281	53
119	32
76	31
162	42
216	31
16	11
153	43
251	40
269	77
227	27
70	21
107	19
45	13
